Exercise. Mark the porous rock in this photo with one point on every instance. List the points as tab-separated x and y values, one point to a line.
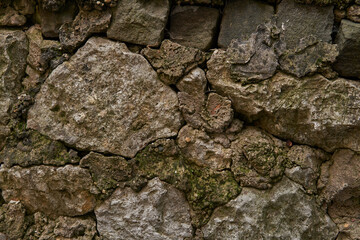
158	211
299	21
241	18
139	22
73	34
194	26
105	104
348	41
10	17
353	13
12	220
172	61
284	212
67	191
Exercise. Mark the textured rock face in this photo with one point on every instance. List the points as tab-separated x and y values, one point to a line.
139	22
299	21
159	211
325	116
194	26
284	212
241	18
353	13
104	103
348	40
10	17
65	190
12	220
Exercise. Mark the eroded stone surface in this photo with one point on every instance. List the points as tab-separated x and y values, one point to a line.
139	22
299	21
284	212
158	211
172	60
353	13
10	17
103	103
24	7
241	18
12	220
65	190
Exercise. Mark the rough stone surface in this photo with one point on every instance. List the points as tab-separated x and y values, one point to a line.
13	52
10	17
139	22
308	57
353	13
348	40
109	107
194	26
325	116
159	211
67	191
12	220
25	7
73	34
51	21
53	5
205	150
258	158
284	212
172	61
241	18
299	21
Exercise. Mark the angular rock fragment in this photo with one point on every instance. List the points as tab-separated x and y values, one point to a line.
12	220
348	40
308	57
139	22
241	18
353	13
325	116
299	21
67	191
172	61
284	212
205	150
10	17
159	211
194	26
73	34
108	100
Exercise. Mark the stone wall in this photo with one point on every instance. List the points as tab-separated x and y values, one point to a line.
186	119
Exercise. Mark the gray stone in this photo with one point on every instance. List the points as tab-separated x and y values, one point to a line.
12	220
159	211
241	18
73	34
139	22
205	150
10	17
284	212
103	103
51	21
172	61
348	40
299	21
308	57
194	26
325	116
67	191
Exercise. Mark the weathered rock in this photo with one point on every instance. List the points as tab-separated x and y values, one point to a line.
348	41
106	172
241	18
299	21
284	212
306	169
199	2
172	61
73	34
67	191
139	22
308	57
105	104
325	116
353	13
51	20
32	80
12	220
10	17
194	26
159	211
53	5
349	228
258	158
205	150
25	7
36	149
13	52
